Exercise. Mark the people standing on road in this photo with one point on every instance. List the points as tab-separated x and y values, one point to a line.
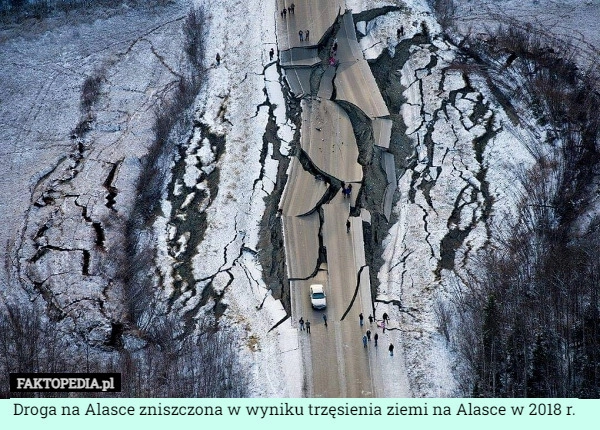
301	35
325	319
301	322
218	58
364	340
308	326
306	35
348	225
360	319
369	335
375	339
391	349
271	54
370	319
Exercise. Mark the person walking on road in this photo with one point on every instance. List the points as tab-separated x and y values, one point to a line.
301	35
292	7
375	338
218	58
301	322
386	318
383	326
348	225
370	319
364	340
308	326
369	335
360	319
284	12
325	319
271	53
306	35
347	190
391	349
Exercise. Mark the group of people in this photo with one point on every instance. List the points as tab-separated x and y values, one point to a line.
367	336
290	9
305	325
400	32
304	35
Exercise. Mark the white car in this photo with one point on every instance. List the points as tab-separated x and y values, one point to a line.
317	296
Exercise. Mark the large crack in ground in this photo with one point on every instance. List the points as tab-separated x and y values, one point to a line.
386	70
425	159
54	211
189	202
66	227
272	253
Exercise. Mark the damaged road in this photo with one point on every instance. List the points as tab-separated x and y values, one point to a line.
342	110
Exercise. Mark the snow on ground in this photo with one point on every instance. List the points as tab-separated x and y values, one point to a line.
572	21
141	51
464	183
232	105
461	137
381	32
441	195
56	186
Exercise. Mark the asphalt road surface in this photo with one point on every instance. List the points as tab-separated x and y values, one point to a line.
336	362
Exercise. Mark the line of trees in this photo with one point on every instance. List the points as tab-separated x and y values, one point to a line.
165	364
527	324
137	254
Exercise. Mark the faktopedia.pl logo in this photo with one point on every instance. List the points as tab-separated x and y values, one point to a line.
52	382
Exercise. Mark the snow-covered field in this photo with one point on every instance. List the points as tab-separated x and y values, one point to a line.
55	186
572	21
